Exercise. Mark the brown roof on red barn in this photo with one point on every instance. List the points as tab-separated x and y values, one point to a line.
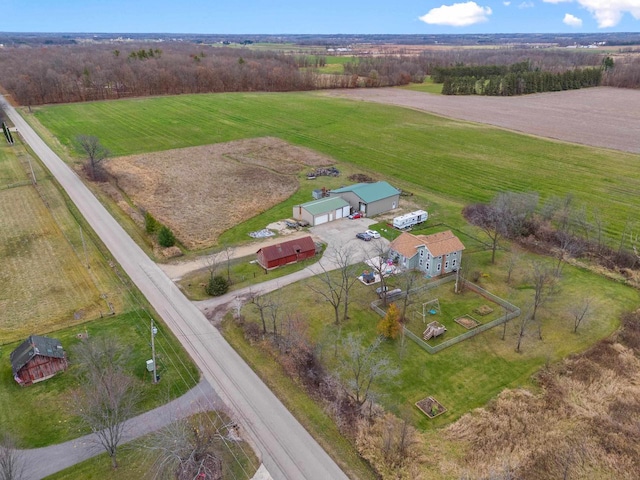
285	249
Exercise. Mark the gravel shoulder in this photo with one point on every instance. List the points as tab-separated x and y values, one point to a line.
600	117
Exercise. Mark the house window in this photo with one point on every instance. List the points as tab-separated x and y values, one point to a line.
422	253
428	256
446	265
439	266
420	262
453	262
427	266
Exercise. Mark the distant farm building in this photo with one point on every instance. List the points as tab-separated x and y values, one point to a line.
369	198
36	359
286	252
434	254
322	211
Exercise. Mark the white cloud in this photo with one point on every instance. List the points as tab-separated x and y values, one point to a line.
571	20
526	5
457	15
608	13
506	4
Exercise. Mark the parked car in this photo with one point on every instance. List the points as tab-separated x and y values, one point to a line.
372	233
355	215
363	236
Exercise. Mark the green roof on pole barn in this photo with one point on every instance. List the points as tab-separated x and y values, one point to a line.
324	205
370	192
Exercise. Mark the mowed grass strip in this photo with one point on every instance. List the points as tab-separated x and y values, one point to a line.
462	161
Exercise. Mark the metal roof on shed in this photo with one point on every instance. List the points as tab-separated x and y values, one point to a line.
324	205
32	346
288	248
370	192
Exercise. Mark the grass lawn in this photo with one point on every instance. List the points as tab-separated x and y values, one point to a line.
244	272
135	462
427	86
472	162
467	375
305	409
39	415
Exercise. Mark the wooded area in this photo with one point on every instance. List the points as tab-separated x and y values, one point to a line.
61	74
44	74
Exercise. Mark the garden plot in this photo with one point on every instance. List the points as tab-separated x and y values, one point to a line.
200	192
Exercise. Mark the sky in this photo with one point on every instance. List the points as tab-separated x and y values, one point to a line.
320	16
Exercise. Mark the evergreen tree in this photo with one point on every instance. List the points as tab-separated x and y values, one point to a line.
166	238
389	326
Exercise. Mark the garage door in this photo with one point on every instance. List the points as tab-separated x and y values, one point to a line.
338	213
321	219
346	210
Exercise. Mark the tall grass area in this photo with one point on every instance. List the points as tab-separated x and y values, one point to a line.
458	160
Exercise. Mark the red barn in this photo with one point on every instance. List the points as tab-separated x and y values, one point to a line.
286	252
36	359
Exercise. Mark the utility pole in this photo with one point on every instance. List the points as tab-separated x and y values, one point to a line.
154	330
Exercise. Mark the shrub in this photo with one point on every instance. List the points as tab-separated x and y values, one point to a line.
166	238
150	223
217	286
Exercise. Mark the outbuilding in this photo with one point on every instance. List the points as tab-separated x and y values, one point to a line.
322	211
36	359
287	252
369	198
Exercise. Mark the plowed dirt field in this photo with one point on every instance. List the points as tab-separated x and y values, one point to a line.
600	117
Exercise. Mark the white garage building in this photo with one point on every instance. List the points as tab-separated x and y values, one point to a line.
322	211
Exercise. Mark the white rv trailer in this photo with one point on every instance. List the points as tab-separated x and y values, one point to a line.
410	219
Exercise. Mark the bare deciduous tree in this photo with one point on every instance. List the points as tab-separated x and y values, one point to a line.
108	396
579	312
331	289
190	448
262	304
11	460
95	152
362	366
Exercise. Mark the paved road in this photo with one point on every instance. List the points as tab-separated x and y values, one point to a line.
45	461
286	448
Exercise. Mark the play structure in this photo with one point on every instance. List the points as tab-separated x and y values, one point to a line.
432	307
434	329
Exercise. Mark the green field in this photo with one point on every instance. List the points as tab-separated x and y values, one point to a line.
460	161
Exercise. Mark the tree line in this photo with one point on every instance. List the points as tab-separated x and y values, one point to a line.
76	73
516	79
61	74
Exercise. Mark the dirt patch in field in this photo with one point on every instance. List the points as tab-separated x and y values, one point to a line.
601	117
202	191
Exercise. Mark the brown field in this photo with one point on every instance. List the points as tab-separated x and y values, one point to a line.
600	117
43	283
584	424
200	192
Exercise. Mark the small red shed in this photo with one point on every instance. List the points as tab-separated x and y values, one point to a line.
286	252
36	359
